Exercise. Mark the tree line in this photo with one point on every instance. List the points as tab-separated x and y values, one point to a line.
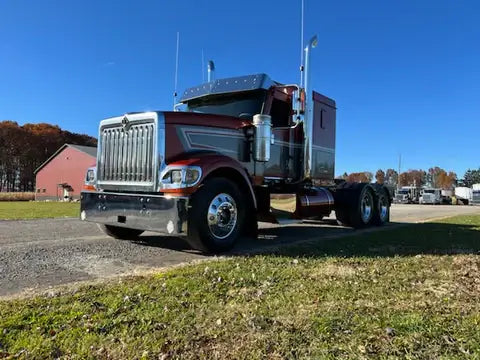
24	148
435	177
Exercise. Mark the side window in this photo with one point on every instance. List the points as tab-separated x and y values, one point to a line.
280	113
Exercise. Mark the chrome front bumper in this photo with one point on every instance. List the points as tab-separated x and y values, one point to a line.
157	213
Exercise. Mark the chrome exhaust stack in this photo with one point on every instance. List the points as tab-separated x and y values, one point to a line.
308	122
211	71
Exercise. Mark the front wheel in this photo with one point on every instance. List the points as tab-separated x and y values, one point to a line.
216	217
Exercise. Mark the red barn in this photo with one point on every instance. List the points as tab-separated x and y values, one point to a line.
62	176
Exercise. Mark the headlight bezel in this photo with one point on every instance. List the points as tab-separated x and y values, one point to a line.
181	182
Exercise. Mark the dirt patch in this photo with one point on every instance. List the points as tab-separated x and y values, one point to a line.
335	270
467	275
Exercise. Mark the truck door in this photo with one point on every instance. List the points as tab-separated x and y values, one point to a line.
282	154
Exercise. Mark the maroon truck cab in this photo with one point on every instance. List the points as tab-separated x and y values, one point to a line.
241	150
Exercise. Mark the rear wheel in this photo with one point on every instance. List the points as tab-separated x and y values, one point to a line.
355	205
363	213
118	232
217	216
381	215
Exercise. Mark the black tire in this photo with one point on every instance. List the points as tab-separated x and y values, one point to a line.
217	202
358	217
121	233
342	203
351	209
381	214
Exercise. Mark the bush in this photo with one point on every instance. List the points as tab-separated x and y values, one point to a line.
17	196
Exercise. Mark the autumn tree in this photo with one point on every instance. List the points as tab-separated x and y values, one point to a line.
391	177
380	176
412	178
364	176
438	178
24	148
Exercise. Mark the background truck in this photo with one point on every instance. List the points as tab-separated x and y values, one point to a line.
407	195
243	150
431	196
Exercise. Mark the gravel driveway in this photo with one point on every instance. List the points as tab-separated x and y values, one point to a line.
38	254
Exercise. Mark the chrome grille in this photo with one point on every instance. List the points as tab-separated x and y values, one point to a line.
126	155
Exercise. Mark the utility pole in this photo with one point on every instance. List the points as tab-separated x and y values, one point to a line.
399	171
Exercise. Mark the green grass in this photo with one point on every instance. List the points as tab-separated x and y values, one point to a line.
410	292
14	210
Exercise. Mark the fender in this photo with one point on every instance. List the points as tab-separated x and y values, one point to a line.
215	164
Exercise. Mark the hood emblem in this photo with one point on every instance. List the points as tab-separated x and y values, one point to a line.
125	123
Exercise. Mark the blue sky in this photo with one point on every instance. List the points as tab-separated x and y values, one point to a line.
405	75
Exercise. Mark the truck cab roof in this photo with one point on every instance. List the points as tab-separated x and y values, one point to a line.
229	85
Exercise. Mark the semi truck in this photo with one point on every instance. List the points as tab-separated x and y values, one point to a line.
407	195
431	196
236	151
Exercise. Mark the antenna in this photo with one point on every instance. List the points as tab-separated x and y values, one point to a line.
301	43
203	67
176	72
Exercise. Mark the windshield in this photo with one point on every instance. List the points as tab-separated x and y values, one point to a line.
429	191
243	105
403	192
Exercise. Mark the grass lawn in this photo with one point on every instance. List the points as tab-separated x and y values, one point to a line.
13	210
410	292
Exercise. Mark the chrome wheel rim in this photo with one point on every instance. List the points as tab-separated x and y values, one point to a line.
366	207
222	216
383	208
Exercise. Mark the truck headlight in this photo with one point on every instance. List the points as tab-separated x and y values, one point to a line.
191	176
178	177
90	175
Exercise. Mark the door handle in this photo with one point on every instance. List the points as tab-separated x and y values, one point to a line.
321	119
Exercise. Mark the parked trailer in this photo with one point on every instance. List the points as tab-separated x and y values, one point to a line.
243	150
476	194
464	195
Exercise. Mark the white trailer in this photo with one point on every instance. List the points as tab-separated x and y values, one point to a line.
464	195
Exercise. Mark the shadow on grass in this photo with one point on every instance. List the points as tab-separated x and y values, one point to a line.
315	240
395	240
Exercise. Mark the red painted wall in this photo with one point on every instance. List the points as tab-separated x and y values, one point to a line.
69	166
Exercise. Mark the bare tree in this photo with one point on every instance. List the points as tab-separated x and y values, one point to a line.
380	176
